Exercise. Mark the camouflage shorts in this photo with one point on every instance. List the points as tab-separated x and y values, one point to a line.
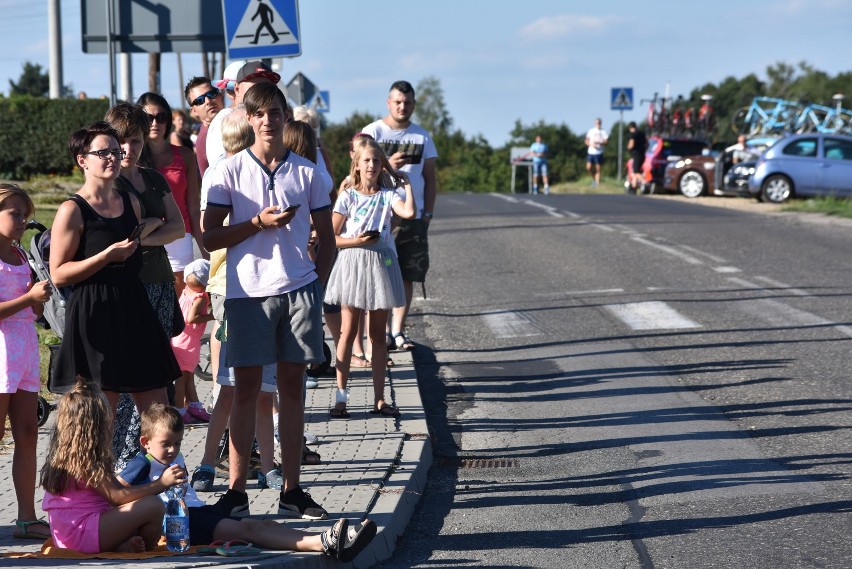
412	249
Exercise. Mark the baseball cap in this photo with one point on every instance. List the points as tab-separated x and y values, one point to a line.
230	75
254	69
200	268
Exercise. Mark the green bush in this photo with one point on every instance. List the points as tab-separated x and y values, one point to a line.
34	137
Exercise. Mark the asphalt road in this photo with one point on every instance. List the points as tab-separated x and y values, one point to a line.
615	381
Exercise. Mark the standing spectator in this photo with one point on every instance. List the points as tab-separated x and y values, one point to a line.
163	224
409	148
181	135
21	302
205	101
596	138
179	167
637	144
112	336
538	152
273	290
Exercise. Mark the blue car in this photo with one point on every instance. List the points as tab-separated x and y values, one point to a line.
803	165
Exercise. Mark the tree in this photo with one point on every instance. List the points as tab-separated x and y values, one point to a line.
431	111
33	81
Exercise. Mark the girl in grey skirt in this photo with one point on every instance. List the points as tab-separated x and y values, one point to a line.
366	274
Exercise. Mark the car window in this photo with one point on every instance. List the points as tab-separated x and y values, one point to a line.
801	147
837	149
682	147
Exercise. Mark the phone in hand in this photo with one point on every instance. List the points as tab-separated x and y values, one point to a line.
137	232
371	233
292	207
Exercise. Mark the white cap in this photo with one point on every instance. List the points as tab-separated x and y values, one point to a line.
230	74
200	268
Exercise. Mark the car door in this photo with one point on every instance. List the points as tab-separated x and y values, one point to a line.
799	161
835	169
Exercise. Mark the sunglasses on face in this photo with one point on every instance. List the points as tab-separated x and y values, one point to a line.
105	154
199	100
161	117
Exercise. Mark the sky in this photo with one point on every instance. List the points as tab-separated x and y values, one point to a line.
498	62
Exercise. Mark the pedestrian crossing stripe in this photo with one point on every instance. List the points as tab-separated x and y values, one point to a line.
252	31
622	99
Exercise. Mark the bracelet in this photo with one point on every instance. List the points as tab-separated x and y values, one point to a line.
427	214
259	223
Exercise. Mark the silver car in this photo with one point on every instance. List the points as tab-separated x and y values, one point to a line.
804	165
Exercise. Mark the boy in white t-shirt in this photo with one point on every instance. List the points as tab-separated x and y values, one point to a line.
596	138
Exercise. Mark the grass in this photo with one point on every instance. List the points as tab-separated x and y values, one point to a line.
584	186
829	205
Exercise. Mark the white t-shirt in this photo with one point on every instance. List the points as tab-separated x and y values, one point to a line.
273	261
214	145
597	137
368	212
413	140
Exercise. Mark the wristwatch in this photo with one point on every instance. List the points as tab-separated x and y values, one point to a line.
427	214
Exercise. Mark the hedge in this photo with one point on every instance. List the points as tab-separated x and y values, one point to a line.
34	137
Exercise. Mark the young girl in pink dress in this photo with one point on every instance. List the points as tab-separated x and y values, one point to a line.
21	302
90	511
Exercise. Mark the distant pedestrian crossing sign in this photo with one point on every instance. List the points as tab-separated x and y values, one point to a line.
257	29
622	99
320	102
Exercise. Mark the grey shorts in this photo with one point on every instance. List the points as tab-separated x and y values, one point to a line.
286	327
412	249
225	375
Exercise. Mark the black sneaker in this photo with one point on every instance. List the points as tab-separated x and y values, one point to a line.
297	503
234	504
202	478
334	538
357	538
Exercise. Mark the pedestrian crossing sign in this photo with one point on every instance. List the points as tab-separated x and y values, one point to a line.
258	29
320	102
622	99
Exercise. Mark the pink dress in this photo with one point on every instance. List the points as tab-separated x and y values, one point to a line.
75	517
187	344
19	369
175	174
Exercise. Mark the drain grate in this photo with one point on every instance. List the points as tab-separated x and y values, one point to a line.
465	463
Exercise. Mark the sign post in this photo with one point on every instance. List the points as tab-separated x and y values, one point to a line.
259	29
621	99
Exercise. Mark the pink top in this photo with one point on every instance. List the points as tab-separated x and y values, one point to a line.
18	340
175	173
187	344
74	518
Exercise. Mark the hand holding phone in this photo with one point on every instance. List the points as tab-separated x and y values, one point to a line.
292	207
137	232
371	234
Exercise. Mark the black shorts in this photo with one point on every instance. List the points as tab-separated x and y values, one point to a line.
202	521
637	164
412	249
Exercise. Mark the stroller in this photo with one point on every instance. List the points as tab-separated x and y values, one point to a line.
54	309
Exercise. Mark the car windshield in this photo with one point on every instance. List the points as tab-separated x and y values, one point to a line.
677	147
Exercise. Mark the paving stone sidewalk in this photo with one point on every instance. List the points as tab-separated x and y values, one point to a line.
371	467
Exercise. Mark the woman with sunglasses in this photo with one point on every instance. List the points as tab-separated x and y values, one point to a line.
112	336
180	168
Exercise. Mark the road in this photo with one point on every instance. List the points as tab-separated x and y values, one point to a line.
617	381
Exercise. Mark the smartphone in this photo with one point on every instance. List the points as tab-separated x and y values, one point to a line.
372	233
292	207
137	232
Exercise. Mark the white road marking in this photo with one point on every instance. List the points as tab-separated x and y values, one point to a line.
602	227
701	253
653	315
509	324
571	214
599	291
727	270
743	282
506	197
549	209
778	313
670	250
786	287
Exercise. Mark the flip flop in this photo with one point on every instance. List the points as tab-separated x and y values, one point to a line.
28	529
336	413
359	360
310	457
211	549
237	548
386	411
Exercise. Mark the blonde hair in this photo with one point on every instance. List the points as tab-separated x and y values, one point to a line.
160	417
7	191
237	133
361	144
304	114
80	447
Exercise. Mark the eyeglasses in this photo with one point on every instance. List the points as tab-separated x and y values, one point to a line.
106	154
160	117
199	100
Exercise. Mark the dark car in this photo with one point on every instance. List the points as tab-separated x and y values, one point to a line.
813	164
716	173
661	151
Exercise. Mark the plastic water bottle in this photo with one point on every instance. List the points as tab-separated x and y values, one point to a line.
176	520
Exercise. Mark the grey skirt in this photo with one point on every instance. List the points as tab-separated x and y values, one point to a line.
367	278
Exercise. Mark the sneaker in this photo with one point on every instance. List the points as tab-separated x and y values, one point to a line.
311	383
199	412
357	538
334	538
233	503
271	479
298	504
190	419
311	439
547	190
202	478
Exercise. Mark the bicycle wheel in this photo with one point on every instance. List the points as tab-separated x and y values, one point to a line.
738	122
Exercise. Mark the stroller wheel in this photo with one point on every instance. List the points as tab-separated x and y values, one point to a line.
202	370
43	410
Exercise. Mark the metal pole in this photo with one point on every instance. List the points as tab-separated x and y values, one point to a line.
54	38
126	77
620	131
180	80
110	52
